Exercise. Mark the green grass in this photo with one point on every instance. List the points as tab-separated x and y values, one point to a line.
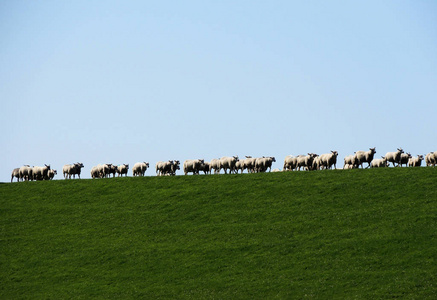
329	234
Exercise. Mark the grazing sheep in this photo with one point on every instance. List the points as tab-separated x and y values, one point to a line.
379	162
122	169
405	157
16	174
430	159
228	163
52	174
394	157
415	161
264	163
364	156
139	169
26	173
214	164
192	166
328	160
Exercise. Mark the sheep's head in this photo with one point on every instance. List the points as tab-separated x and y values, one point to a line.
372	150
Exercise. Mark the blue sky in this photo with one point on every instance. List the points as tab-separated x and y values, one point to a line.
128	81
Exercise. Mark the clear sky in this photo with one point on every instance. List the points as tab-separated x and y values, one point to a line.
127	81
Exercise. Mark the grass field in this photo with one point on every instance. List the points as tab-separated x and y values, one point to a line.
328	234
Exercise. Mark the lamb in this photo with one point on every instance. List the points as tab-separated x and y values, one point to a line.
52	174
122	169
16	174
415	161
328	160
139	169
394	157
192	166
379	162
405	157
364	156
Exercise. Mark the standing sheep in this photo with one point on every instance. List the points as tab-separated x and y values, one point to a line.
379	162
40	173
430	159
15	173
26	173
364	156
228	163
214	164
394	157
415	161
122	169
264	163
290	163
192	166
139	169
51	174
405	157
328	160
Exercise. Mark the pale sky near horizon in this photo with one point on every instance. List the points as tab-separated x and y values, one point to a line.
128	81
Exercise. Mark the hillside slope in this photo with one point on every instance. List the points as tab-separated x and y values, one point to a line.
355	233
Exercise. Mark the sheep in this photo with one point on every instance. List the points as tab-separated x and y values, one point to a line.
122	169
430	159
415	161
405	157
305	161
239	165
328	160
264	163
249	164
350	162
112	170
379	162
205	167
40	173
139	169
290	163
276	170
103	170
26	173
317	164
394	157
16	174
73	169
364	156
192	166
95	173
214	164
167	168
52	174
228	163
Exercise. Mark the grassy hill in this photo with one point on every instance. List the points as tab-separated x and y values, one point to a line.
329	234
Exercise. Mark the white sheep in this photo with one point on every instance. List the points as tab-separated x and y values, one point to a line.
305	161
193	166
16	174
394	157
214	164
415	161
40	173
228	163
73	169
264	163
122	169
364	156
51	174
405	157
379	162
350	162
290	163
328	160
430	159
139	168
26	173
